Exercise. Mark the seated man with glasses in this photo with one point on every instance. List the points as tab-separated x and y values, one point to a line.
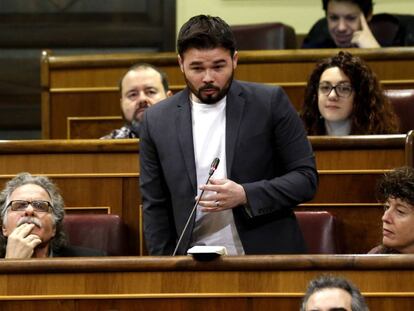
32	211
344	97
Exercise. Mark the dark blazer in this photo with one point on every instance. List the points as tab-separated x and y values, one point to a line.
267	153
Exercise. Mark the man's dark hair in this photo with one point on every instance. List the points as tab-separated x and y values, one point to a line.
366	6
163	75
329	281
205	32
398	184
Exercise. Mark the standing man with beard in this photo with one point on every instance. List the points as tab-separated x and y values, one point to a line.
266	166
142	86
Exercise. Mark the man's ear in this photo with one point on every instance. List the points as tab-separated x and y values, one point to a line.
169	93
235	59
180	62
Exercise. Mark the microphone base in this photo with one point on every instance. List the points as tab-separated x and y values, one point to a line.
206	253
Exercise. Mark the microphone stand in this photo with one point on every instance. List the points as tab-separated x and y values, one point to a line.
213	168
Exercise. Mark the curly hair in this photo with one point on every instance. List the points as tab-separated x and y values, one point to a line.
398	184
57	203
372	112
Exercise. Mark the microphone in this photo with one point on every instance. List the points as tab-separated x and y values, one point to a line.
213	168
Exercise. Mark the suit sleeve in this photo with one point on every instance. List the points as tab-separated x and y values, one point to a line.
159	229
296	177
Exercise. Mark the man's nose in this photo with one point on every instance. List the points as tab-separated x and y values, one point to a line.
208	77
342	25
142	99
29	210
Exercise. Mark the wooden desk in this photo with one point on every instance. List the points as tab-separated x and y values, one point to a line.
180	283
103	176
94	176
86	85
349	168
92	127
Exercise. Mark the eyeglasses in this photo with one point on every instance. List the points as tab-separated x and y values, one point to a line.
38	206
341	89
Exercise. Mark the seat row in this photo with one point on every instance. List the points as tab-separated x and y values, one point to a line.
102	177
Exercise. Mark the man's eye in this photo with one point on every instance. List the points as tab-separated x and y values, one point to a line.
132	95
351	18
152	92
333	17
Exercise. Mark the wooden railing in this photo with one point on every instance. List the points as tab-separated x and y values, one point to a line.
102	176
181	283
86	85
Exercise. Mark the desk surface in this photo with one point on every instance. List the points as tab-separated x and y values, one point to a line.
248	282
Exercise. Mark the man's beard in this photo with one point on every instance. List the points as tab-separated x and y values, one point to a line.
210	99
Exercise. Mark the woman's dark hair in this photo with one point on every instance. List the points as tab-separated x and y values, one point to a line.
398	184
366	6
372	112
205	32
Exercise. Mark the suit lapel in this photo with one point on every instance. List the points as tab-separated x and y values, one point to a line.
234	112
185	135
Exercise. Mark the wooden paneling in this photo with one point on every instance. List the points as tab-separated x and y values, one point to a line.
86	156
349	168
103	175
92	127
180	283
94	176
86	85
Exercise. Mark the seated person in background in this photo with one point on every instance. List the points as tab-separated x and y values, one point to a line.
396	191
350	23
344	97
327	293
143	85
32	211
345	26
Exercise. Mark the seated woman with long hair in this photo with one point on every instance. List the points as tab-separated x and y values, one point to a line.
396	191
344	97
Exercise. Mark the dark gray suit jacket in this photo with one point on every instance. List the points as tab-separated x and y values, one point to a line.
267	153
